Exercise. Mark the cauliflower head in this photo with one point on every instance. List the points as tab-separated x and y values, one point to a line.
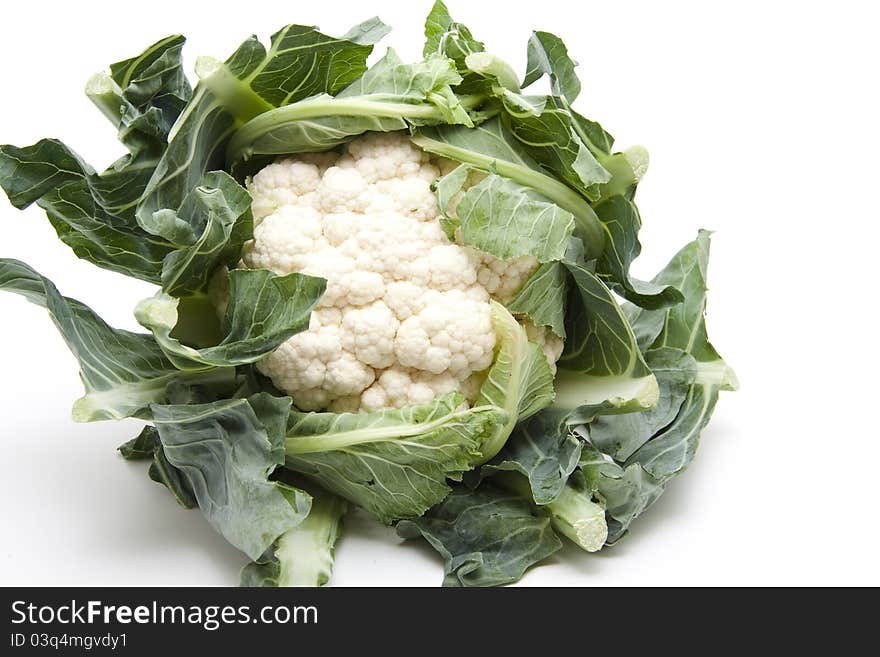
406	314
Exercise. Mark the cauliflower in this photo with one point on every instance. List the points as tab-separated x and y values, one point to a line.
406	314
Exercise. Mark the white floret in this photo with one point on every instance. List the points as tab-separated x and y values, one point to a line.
282	183
451	334
400	387
369	334
342	190
544	336
283	240
502	278
405	317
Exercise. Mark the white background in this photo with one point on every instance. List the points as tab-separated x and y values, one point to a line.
761	119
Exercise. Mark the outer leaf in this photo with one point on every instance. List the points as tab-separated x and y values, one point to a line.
625	492
263	310
390	96
226	452
487	537
621	221
490	147
91	214
155	79
601	361
683	328
507	220
519	382
302	556
217	223
542	449
301	62
672	449
547	55
123	373
545	127
392	463
542	297
444	36
94	214
657	444
621	435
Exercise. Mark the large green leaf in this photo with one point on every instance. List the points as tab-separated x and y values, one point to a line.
545	127
487	537
507	220
601	361
694	382
547	55
302	556
217	223
226	451
621	221
263	310
95	214
542	297
300	62
491	148
624	492
544	450
392	463
123	372
390	96
519	382
653	446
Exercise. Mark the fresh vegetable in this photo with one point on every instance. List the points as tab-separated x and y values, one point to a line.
394	287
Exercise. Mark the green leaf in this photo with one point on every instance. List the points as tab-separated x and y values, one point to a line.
490	147
487	537
507	220
226	451
444	36
95	214
216	222
621	435
545	127
547	55
141	446
389	96
625	492
658	444
392	463
542	297
263	310
146	445
682	328
519	381
621	221
542	449
302	556
669	452
27	174
601	363
155	80
92	214
301	62
123	372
